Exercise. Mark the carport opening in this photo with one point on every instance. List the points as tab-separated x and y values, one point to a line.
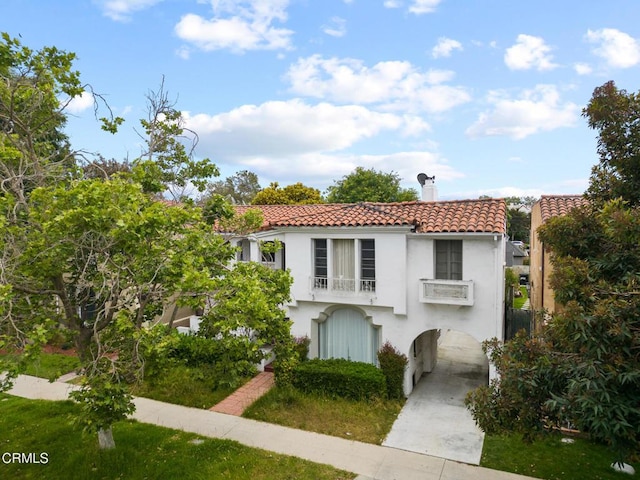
449	352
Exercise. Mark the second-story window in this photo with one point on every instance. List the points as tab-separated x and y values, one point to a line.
344	265
320	272
448	260
368	265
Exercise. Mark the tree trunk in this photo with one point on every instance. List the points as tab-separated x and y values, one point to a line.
173	315
105	439
83	341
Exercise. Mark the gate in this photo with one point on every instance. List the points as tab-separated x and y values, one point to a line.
515	320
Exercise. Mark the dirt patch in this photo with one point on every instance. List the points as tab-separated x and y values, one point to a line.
71	352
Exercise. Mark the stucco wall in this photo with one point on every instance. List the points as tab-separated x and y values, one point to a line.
402	259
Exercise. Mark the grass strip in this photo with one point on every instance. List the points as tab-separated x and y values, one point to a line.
142	451
364	421
550	458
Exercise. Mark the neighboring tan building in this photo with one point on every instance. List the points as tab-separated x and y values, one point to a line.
542	297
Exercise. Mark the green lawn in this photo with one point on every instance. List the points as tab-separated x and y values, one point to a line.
192	387
518	302
364	421
550	458
52	365
142	451
188	386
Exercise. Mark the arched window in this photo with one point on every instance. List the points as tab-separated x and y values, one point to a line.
347	334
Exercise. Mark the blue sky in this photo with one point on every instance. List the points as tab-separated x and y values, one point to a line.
485	95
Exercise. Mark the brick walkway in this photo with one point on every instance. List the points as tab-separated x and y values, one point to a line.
238	401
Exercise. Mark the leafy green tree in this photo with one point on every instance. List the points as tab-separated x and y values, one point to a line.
583	369
33	147
102	254
168	164
239	189
598	328
296	194
369	185
518	224
519	217
614	114
525	202
247	315
100	257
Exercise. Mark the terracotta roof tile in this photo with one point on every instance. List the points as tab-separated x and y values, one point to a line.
556	205
486	215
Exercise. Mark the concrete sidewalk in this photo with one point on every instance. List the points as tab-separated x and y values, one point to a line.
366	460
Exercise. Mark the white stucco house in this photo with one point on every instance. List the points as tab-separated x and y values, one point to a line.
368	273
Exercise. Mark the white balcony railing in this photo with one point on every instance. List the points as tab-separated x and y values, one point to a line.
342	285
447	292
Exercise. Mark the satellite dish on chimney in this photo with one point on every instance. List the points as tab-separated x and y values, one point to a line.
422	178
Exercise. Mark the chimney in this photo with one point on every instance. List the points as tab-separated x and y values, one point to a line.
429	189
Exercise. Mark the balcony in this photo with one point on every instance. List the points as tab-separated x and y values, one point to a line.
342	286
446	292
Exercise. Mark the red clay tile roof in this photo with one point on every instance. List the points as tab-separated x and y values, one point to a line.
486	215
556	205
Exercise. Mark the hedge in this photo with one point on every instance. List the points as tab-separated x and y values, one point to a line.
340	378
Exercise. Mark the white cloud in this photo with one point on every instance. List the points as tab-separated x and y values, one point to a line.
322	169
238	25
444	47
291	140
183	52
294	127
529	52
503	192
414	126
393	85
534	111
337	27
618	49
417	7
423	6
582	68
121	10
80	103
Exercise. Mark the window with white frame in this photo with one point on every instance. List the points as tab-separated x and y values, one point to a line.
448	256
273	255
344	265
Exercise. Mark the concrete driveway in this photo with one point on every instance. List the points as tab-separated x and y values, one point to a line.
434	420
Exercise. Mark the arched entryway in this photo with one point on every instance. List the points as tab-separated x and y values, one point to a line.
346	333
